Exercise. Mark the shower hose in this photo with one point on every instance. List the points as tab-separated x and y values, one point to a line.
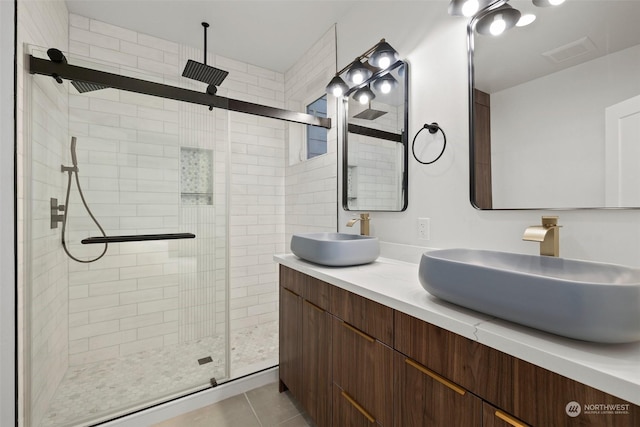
74	171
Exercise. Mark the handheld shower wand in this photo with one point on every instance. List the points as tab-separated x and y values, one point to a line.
74	158
71	170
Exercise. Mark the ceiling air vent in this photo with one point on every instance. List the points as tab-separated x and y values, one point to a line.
570	50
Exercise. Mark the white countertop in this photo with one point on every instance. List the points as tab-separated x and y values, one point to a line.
612	368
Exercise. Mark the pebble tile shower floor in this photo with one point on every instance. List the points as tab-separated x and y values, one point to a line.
95	389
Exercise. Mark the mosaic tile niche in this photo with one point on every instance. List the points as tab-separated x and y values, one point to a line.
196	176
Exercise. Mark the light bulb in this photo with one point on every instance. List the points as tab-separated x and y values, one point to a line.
526	20
498	25
385	87
364	98
357	78
470	7
384	62
337	91
556	2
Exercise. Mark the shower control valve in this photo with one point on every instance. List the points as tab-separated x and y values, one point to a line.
55	217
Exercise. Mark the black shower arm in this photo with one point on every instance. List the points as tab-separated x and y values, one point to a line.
130	84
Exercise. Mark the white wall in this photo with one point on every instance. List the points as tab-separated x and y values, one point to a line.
537	145
438	89
7	254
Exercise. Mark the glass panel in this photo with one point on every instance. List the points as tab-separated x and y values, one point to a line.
147	321
317	136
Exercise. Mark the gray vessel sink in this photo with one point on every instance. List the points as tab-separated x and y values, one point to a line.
335	249
577	299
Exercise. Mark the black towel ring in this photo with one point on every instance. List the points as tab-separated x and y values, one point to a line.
432	128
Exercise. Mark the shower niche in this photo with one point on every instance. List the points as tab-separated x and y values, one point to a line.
196	176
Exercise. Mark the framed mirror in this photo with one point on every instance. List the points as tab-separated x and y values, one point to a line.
375	146
555	109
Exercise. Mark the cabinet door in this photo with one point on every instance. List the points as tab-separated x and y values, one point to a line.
290	342
424	398
316	363
347	412
544	398
494	417
363	368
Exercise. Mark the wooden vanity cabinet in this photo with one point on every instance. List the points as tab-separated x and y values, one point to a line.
354	362
305	343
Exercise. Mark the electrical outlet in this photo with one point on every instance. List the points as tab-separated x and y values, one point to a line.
424	232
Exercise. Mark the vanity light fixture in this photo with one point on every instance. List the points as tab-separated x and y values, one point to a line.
467	8
498	20
374	64
383	55
547	3
364	95
337	87
357	72
525	20
385	84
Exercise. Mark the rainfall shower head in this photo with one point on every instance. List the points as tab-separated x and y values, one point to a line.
202	72
55	55
83	87
369	114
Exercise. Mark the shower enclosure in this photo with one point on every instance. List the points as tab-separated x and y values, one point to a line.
152	319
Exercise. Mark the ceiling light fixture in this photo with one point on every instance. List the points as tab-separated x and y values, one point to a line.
376	62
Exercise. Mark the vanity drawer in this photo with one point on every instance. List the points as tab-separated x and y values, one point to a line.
486	372
363	368
292	280
368	316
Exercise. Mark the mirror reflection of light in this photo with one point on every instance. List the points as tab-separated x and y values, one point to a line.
498	25
526	19
337	92
385	87
363	99
470	7
556	2
357	78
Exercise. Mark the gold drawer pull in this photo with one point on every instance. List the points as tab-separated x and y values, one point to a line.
358	407
509	419
359	332
440	379
290	291
314	306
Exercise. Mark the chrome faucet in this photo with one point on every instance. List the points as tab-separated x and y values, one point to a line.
364	223
548	234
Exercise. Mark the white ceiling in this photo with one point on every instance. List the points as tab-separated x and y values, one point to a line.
268	33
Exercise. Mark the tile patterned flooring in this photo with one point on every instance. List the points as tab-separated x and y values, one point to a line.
261	407
94	390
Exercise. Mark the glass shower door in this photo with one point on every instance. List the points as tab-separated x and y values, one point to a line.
147	321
